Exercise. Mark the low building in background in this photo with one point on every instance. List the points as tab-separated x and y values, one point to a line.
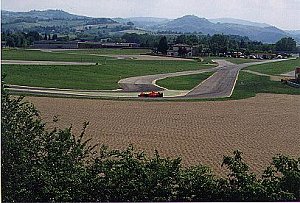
89	45
120	45
98	45
53	44
183	50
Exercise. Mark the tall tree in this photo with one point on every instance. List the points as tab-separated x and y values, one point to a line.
286	44
54	37
163	45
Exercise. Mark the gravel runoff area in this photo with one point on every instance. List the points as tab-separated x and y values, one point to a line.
199	132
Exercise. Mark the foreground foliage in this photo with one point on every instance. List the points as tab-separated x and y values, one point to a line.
38	165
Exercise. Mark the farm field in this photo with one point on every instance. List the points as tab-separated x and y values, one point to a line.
261	127
102	76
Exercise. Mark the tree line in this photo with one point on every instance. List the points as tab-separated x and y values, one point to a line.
215	44
38	165
219	44
24	40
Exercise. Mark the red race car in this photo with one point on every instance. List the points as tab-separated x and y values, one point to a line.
151	94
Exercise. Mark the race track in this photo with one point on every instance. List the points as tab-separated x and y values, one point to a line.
221	84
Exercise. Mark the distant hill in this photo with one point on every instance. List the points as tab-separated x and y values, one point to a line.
191	23
58	21
295	34
188	23
41	15
238	21
23	21
143	22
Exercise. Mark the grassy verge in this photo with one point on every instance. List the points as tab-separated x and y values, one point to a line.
84	55
248	85
277	67
240	60
103	76
187	82
232	60
35	55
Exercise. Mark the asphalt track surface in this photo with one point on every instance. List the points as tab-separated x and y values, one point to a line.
220	84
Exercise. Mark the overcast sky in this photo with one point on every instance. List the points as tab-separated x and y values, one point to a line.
281	13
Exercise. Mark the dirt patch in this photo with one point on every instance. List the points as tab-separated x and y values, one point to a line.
199	132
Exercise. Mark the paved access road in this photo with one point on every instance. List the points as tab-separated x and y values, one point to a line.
220	84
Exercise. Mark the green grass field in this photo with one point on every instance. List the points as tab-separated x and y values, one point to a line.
35	55
276	68
106	75
103	76
88	55
248	85
111	51
186	82
240	60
